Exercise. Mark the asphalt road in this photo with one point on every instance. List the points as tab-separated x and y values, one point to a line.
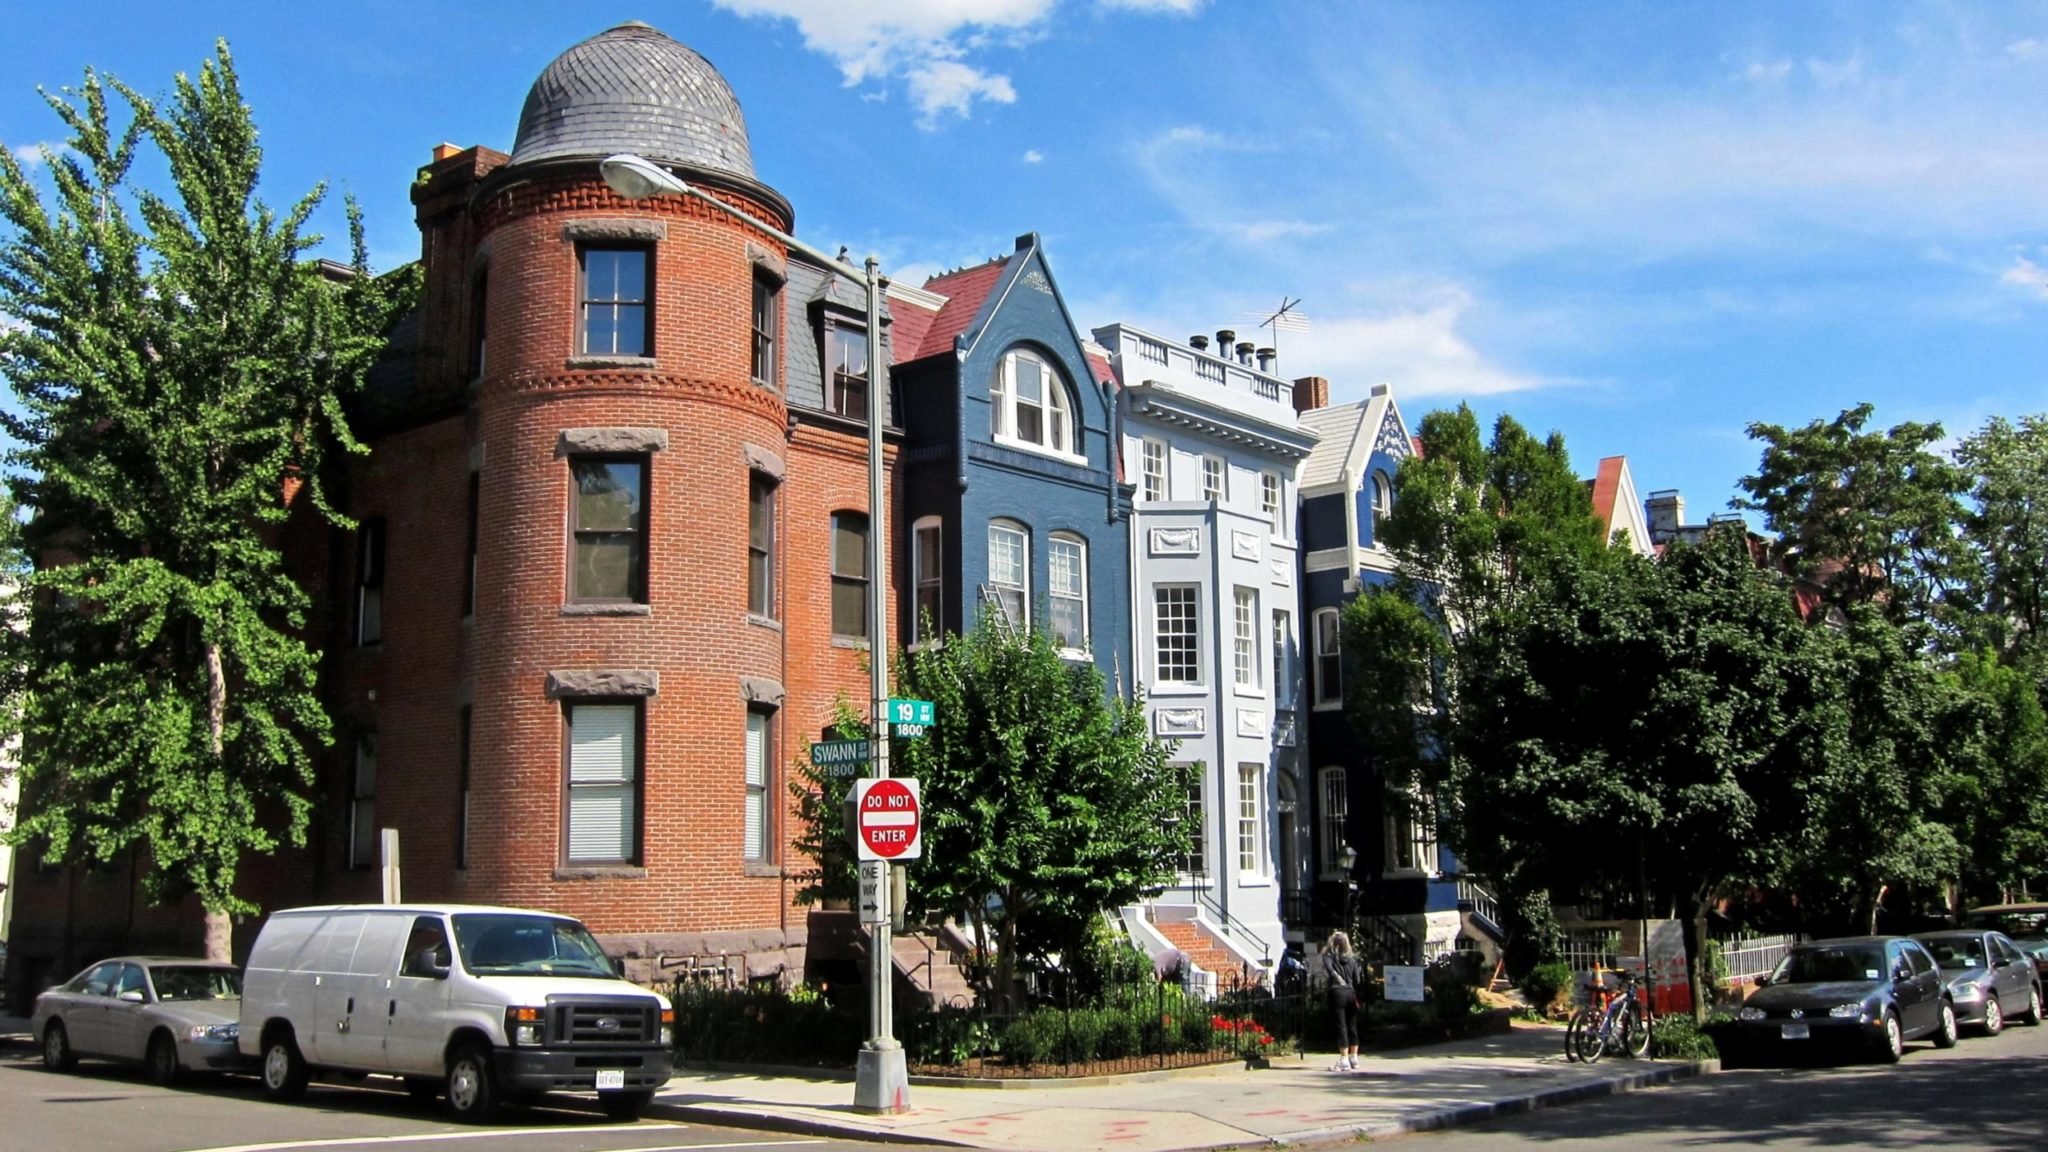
101	1107
1982	1094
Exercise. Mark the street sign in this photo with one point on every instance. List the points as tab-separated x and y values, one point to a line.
918	712
871	910
840	757
886	814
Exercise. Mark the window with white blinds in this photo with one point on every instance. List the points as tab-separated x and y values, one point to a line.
604	783
756	835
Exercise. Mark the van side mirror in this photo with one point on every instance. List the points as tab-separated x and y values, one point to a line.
428	964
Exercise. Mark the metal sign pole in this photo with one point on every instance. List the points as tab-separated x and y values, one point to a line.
881	1076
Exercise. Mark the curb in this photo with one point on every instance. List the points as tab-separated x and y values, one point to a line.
794	1125
1464	1114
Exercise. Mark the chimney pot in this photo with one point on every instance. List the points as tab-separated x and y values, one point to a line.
1266	358
1244	353
1199	343
1225	337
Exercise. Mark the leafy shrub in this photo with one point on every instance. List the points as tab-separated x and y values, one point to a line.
765	1026
1452	1003
1678	1038
1197	1033
1034	1038
1121	1036
1542	983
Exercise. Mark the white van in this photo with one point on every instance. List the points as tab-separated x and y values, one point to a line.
523	1002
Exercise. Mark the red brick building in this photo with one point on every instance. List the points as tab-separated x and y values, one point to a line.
610	578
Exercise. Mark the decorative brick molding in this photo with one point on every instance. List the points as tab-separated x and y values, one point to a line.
768	262
567	683
577	440
615	363
638	231
761	690
761	460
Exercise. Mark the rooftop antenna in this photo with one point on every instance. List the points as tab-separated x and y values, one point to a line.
1285	318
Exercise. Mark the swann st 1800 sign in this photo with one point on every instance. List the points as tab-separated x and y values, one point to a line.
885	819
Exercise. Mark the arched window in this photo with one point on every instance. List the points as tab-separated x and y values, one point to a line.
1028	403
1382	504
1009	570
1334	814
1067	564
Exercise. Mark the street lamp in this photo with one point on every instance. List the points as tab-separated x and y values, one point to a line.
1349	859
882	1081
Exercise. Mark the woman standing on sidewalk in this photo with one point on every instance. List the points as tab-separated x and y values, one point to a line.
1341	971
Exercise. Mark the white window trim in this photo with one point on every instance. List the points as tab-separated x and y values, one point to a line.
1330	824
1188	879
1080	545
1285	694
1023	534
918	528
1003	392
1261	870
1276	512
1246	655
767	786
1423	843
1382	505
1316	695
1146	448
1194	620
1221	493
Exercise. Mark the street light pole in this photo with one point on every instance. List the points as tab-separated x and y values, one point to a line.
881	1080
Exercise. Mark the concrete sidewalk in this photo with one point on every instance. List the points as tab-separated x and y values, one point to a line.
14	1033
1220	1107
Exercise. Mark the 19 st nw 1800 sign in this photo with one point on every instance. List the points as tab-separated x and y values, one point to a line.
886	814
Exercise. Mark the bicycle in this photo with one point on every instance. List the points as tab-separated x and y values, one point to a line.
1618	1024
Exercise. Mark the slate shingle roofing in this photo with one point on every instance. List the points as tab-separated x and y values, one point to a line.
634	89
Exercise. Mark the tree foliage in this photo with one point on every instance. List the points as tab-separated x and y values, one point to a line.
2006	529
179	362
1046	801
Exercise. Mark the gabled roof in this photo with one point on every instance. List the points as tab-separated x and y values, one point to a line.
1615	503
966	290
1348	434
908	324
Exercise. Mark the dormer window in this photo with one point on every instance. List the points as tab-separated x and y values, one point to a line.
1028	404
846	371
1382	504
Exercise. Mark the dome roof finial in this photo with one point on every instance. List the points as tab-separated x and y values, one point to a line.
635	89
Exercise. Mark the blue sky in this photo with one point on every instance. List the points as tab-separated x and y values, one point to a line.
1642	225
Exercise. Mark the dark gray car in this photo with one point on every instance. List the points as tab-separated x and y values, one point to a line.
1865	993
1988	977
169	1015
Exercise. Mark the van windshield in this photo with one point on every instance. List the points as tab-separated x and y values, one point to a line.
510	944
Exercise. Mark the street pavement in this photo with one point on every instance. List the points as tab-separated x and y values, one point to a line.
1982	1095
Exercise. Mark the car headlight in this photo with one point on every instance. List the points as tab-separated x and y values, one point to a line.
1749	1013
524	1027
217	1033
1966	991
1846	1011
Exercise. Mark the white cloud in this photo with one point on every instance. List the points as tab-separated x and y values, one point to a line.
30	155
1420	350
2027	276
1770	71
927	43
1267	231
1033	156
2028	49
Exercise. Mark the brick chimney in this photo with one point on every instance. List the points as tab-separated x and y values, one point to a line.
1310	393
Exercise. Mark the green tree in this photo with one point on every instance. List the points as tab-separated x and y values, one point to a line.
180	363
1868	517
1997	802
1046	801
2006	528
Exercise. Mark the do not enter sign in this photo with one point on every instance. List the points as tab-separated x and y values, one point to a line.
885	819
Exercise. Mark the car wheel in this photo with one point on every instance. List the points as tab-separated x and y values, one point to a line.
162	1061
626	1105
2033	1016
57	1053
472	1089
1894	1045
1994	1017
284	1070
1945	1036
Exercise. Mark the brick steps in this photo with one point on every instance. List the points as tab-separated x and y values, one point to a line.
1207	953
932	972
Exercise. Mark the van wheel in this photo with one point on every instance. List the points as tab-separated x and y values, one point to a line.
162	1061
284	1070
626	1105
57	1053
472	1088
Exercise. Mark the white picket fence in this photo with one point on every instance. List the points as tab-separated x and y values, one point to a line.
1749	957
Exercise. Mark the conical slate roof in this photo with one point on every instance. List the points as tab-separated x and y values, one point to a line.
634	89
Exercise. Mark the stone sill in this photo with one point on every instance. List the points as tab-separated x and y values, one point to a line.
607	610
766	871
615	363
601	872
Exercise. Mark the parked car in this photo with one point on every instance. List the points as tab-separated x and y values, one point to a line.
169	1014
1867	993
479	1003
1989	979
2025	924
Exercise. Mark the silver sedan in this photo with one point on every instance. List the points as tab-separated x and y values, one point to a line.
169	1015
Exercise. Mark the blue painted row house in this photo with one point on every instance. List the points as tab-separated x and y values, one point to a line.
1010	495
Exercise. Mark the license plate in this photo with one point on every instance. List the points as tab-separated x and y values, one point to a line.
611	1078
1788	1032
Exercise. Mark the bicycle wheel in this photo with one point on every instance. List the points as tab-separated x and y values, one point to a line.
1572	1032
1599	1038
1635	1031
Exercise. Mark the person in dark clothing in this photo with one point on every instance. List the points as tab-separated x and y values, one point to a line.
1342	973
